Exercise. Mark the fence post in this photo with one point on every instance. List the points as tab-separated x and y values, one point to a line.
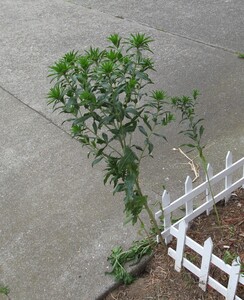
228	178
208	194
205	265
167	217
233	279
180	245
188	189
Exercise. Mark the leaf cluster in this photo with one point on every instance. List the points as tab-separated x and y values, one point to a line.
229	257
4	290
119	258
104	94
194	129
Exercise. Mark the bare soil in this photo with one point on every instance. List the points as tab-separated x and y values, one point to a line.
161	282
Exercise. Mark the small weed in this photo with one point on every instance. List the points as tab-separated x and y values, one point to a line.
229	257
4	290
240	55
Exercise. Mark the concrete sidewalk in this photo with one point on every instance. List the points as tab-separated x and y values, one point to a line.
58	222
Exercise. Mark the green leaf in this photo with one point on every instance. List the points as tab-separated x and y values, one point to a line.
94	125
128	219
119	188
139	41
131	110
189	145
142	130
158	95
201	130
97	160
150	147
142	75
4	290
145	120
138	147
128	160
240	55
105	137
115	39
160	135
120	257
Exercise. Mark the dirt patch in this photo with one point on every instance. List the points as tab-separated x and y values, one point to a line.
161	281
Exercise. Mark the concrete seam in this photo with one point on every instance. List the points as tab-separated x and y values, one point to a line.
34	110
188	38
162	30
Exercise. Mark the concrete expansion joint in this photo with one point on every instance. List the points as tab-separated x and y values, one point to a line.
162	30
34	110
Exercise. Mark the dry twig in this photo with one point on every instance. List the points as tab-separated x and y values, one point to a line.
194	166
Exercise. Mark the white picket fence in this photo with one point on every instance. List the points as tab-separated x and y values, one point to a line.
191	194
178	229
208	258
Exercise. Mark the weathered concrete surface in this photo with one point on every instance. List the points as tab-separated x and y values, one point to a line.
218	22
58	222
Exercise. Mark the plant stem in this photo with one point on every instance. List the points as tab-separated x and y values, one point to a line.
204	164
147	233
150	214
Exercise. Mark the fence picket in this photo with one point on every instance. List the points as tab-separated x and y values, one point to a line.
202	187
167	217
205	265
228	178
208	258
191	193
201	209
208	192
233	280
180	246
188	189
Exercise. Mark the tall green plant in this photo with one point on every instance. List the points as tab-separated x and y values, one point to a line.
104	93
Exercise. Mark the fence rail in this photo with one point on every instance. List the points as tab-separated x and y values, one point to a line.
208	258
179	229
191	194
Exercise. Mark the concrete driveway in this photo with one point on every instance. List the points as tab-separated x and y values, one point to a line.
58	222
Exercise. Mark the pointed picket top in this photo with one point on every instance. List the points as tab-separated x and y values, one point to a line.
180	245
209	171
165	199
233	279
228	160
188	184
208	194
188	189
205	265
228	178
158	214
167	217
